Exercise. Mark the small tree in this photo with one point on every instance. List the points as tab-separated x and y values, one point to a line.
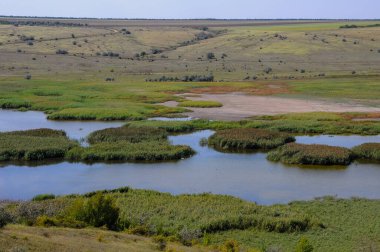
97	211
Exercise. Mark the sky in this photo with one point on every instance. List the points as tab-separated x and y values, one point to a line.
190	9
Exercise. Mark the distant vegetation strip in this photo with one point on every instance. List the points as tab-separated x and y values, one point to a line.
200	104
353	26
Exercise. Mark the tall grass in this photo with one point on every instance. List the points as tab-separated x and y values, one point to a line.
127	151
129	134
294	153
34	145
245	139
369	151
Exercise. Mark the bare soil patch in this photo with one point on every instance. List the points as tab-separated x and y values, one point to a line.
237	106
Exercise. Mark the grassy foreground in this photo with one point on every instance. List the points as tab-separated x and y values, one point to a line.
203	222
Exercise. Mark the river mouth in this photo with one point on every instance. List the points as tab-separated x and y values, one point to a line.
245	175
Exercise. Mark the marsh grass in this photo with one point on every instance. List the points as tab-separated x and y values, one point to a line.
201	104
294	153
368	151
129	134
248	139
123	151
34	145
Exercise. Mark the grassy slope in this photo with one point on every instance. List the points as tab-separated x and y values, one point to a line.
22	238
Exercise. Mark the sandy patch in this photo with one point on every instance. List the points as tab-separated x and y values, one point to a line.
238	106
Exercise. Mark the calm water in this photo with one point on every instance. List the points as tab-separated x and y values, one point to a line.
248	176
11	120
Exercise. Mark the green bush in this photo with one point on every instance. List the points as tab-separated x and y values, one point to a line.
130	134
97	211
5	217
248	139
42	197
294	153
369	151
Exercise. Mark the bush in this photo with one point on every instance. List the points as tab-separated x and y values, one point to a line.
61	51
268	70
249	139
5	217
230	246
28	77
210	56
370	151
304	245
294	153
97	211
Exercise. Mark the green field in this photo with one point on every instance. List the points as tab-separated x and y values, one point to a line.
133	70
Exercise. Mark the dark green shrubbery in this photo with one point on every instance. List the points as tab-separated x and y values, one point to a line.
5	217
130	134
97	211
369	151
248	139
294	153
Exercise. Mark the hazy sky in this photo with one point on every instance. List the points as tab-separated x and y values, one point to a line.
255	9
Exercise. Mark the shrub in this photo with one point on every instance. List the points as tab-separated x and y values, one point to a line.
130	134
210	56
248	139
230	246
188	236
97	211
28	77
61	51
370	151
268	70
5	217
294	153
42	197
304	245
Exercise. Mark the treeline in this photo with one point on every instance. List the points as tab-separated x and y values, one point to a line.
186	78
40	23
358	26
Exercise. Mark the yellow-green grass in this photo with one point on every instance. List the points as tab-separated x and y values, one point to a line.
298	123
339	225
201	104
24	238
